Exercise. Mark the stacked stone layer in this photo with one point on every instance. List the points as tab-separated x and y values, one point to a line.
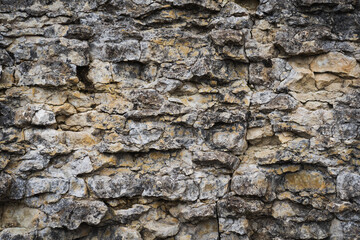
185	119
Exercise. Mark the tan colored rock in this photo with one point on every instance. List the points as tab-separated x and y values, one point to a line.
256	133
336	62
6	77
212	187
195	211
22	216
163	228
179	119
233	141
315	105
66	109
312	181
100	72
96	120
256	51
285	136
112	103
40	95
222	37
204	230
282	210
234	52
80	100
287	168
299	80
322	96
318	117
101	160
325	79
78	140
249	181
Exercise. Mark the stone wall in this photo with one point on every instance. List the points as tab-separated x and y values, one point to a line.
179	119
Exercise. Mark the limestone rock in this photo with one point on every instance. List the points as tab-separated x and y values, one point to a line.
217	158
5	184
17	233
43	117
195	211
231	206
129	185
269	101
77	187
71	213
32	161
38	185
79	32
250	184
114	232
23	217
133	213
127	50
213	187
45	74
163	229
312	181
179	119
347	185
221	37
336	62
117	186
229	225
256	51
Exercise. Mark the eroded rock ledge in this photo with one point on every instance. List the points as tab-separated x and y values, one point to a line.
185	119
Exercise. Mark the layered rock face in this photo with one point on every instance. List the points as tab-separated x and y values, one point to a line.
179	119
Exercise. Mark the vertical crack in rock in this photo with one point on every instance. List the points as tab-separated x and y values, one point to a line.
217	220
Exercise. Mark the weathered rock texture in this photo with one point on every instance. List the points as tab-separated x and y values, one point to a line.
179	119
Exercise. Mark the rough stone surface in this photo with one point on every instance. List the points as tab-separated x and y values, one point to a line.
179	119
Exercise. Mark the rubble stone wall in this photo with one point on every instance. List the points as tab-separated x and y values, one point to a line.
179	119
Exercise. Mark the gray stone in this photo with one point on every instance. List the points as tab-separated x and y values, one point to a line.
45	74
5	180
128	50
43	117
229	225
250	184
213	187
216	158
17	233
38	185
33	161
348	185
197	211
126	215
71	213
162	229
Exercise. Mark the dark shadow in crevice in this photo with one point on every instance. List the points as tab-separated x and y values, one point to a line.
82	74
